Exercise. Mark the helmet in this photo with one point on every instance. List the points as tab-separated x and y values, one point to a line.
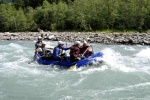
77	42
39	37
60	42
84	42
63	42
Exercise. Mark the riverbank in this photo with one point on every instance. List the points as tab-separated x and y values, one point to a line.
91	37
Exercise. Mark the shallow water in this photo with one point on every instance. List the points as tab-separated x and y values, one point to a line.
124	74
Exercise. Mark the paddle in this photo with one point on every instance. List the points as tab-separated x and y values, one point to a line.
73	67
84	52
32	60
66	46
92	49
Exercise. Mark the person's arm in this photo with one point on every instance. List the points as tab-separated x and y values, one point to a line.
65	48
49	47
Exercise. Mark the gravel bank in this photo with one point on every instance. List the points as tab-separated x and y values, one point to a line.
111	38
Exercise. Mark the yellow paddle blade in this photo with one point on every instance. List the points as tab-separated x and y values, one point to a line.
73	67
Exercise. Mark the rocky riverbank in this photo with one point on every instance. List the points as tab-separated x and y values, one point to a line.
111	38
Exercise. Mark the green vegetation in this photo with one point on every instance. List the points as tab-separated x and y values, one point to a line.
74	15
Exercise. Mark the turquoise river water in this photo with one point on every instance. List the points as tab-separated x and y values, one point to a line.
123	75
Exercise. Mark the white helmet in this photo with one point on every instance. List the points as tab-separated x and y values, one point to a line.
60	42
39	37
84	42
77	42
63	42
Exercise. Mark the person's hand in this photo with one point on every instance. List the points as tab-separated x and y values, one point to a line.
40	44
78	58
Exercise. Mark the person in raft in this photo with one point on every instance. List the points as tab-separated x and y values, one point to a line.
58	51
38	45
75	52
64	45
85	50
45	50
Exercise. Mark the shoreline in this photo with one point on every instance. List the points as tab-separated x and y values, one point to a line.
91	37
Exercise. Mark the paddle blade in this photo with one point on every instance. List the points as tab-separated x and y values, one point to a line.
74	67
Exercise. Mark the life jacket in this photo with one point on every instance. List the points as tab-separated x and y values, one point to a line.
74	51
84	48
36	44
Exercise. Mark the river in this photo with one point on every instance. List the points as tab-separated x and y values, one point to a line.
123	75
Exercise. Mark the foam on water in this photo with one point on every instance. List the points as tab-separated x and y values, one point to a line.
129	48
113	59
16	46
16	61
94	69
79	81
116	61
145	53
130	87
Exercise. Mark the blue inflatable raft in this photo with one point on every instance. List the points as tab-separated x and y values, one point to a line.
66	63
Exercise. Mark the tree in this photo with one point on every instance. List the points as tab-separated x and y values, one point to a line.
31	25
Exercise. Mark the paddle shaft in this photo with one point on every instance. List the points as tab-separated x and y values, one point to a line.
66	46
85	51
32	60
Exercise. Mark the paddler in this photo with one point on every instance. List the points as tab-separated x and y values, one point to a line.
42	47
58	51
85	49
75	52
38	44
